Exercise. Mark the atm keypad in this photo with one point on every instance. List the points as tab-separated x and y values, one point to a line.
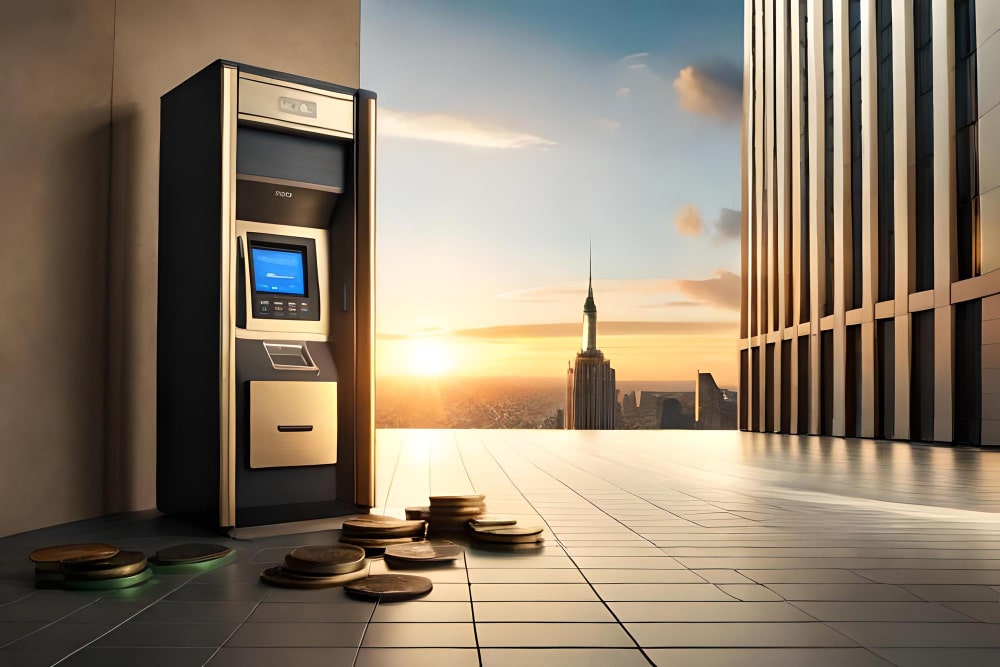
271	308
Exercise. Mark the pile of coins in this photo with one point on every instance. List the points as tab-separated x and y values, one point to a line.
94	567
374	531
453	513
320	566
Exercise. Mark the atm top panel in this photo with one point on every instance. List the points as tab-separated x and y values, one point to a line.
295	106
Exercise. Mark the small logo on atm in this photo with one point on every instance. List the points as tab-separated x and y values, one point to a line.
282	193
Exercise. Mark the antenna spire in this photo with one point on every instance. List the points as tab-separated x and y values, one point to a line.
590	267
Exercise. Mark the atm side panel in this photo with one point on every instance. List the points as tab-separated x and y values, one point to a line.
188	324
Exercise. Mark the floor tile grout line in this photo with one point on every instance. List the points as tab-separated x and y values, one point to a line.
23	597
50	624
641	649
115	627
635	495
465	561
601	509
472	607
235	630
361	641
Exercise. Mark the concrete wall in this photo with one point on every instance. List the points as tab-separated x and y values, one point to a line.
79	156
55	92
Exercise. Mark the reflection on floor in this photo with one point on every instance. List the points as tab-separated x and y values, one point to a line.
668	548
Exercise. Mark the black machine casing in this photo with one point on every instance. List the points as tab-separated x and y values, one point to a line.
265	399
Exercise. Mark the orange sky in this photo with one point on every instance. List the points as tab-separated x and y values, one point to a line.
506	351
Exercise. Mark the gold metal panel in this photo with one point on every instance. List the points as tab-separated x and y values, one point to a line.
976	288
227	312
292	423
921	301
296	86
885	309
855	316
296	106
365	440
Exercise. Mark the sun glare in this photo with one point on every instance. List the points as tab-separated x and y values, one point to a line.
430	357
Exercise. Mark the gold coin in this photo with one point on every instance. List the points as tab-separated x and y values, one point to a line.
73	552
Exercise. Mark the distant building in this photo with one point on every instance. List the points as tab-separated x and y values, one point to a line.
714	408
591	396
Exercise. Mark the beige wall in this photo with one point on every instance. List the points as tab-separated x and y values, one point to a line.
157	45
78	388
55	91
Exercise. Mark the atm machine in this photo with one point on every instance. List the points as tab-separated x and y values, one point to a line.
265	332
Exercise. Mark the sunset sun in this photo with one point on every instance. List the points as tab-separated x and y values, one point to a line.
430	357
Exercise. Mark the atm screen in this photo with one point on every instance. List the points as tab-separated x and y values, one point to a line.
278	271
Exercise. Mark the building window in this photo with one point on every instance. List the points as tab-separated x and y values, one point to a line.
924	144
828	157
886	180
854	45
966	139
803	162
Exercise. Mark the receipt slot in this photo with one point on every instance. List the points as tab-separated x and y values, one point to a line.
265	366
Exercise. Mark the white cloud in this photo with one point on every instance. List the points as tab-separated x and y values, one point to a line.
446	128
622	93
637	66
634	56
710	93
608	123
687	219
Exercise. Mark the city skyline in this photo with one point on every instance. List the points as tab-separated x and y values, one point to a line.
492	179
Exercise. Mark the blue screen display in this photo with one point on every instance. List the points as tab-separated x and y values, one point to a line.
278	271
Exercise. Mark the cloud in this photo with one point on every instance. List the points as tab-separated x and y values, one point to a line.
677	304
729	225
687	219
608	123
715	91
633	56
572	329
637	66
622	93
446	128
723	290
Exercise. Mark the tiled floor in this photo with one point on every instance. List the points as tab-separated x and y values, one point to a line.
668	548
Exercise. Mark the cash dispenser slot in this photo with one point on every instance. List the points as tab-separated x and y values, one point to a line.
285	356
292	423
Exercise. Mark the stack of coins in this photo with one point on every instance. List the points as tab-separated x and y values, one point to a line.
91	567
420	554
191	558
453	513
320	566
49	570
374	531
508	537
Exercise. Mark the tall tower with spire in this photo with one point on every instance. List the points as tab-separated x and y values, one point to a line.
591	399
